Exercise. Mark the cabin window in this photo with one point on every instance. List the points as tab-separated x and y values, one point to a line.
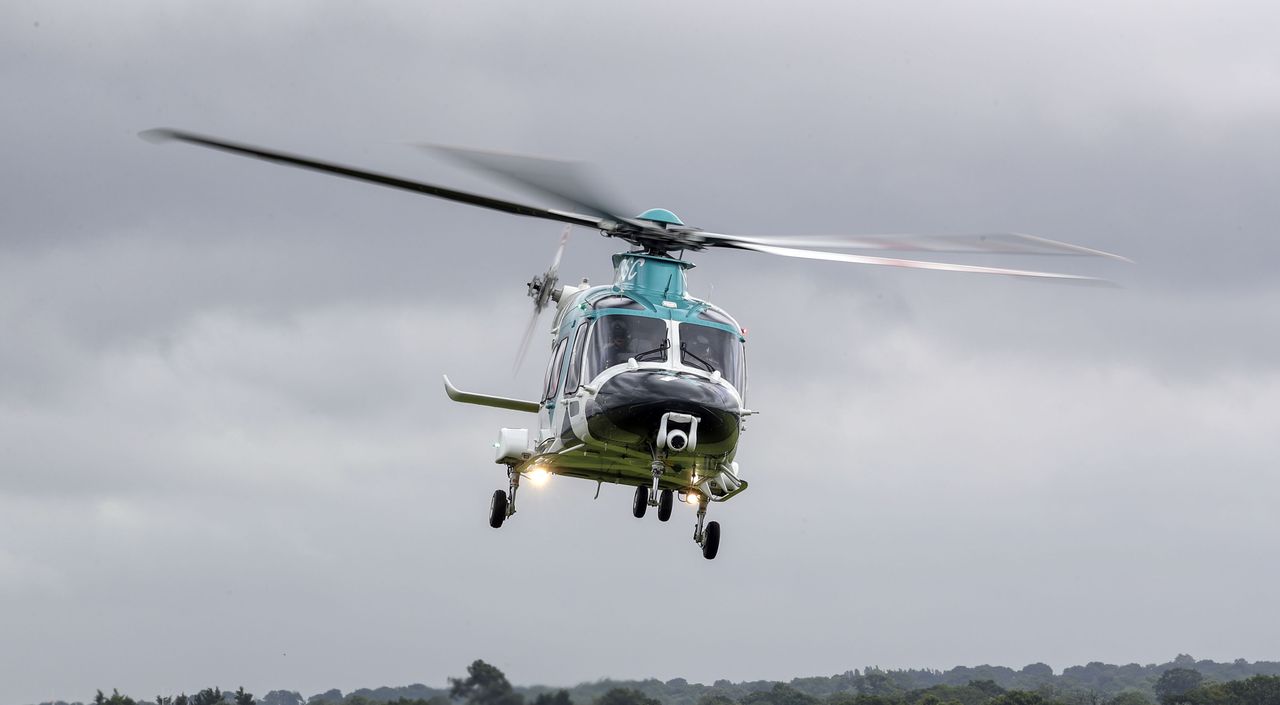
571	379
619	338
712	349
553	372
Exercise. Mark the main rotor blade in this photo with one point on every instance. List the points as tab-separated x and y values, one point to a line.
560	180
913	264
564	241
975	243
246	150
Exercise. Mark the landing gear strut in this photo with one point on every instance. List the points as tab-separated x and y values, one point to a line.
657	468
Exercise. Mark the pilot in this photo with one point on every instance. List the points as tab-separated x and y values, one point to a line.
619	347
702	346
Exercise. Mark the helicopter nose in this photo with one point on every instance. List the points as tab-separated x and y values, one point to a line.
629	407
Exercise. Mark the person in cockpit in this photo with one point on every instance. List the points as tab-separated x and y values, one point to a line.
619	347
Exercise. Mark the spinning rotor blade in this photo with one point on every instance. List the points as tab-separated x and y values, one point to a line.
559	180
245	150
976	243
545	289
524	343
913	264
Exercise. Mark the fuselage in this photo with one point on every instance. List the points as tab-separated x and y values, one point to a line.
641	371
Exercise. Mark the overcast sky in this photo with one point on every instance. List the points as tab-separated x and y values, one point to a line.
226	457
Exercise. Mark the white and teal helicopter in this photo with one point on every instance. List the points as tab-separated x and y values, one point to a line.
646	383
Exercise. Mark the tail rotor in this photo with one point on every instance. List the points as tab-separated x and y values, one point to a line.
542	289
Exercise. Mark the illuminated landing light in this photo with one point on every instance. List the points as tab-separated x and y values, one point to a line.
692	498
538	476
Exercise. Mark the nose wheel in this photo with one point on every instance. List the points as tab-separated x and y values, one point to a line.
707	536
503	504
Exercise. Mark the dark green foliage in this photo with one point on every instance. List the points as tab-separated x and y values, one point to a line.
208	696
484	685
779	694
1258	690
560	697
1019	697
1129	697
1035	684
115	699
626	696
1176	682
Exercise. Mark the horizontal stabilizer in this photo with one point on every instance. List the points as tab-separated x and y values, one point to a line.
486	400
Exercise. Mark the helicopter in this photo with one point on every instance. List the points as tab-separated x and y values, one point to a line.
646	383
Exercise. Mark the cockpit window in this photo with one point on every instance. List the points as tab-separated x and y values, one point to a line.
712	349
618	338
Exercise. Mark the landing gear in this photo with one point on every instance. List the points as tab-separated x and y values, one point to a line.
708	538
711	540
640	503
503	504
666	500
657	468
498	508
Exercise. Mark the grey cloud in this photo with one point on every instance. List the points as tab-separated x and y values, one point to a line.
220	406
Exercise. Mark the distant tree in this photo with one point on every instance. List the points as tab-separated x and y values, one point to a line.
716	699
208	696
560	697
163	700
1258	690
182	699
333	695
876	682
115	699
1175	682
243	698
1038	670
1019	697
283	697
1130	697
779	694
484	685
987	686
626	696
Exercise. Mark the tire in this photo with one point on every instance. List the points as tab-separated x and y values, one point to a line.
498	508
711	540
640	503
666	500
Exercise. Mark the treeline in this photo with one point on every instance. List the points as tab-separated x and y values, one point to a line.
1183	681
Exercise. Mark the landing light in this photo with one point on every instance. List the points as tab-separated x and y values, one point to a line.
538	476
692	498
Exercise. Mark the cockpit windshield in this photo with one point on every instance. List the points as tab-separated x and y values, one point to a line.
619	338
712	349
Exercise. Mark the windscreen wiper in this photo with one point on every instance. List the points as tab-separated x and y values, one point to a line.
685	351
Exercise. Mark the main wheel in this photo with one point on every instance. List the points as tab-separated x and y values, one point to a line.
640	503
711	540
498	508
666	501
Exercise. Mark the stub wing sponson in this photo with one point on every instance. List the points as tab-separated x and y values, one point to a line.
460	396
